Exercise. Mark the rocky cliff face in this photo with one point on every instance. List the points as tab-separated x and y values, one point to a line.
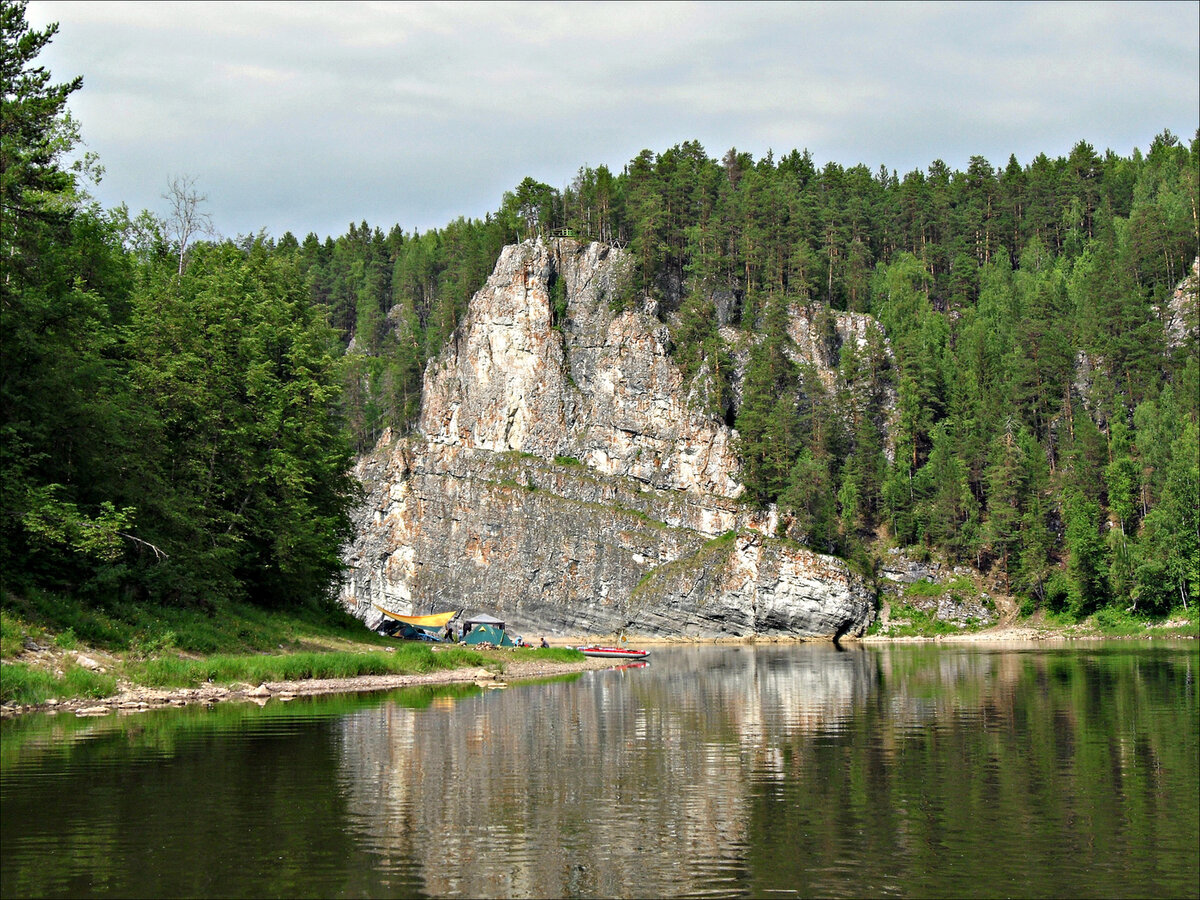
560	480
1182	315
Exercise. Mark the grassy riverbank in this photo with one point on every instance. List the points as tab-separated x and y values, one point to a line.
55	650
52	649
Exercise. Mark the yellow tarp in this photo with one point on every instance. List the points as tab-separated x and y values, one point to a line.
437	620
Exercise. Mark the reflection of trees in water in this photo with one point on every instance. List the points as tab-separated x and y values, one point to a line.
596	785
920	770
741	769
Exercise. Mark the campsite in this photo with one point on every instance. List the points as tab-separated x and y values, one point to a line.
478	630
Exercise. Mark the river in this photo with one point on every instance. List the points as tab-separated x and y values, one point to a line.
909	770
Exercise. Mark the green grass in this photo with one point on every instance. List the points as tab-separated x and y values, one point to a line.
408	659
159	646
25	684
12	635
1114	621
566	461
924	588
66	640
722	540
148	629
661	575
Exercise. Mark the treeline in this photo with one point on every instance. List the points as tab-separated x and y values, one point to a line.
1046	390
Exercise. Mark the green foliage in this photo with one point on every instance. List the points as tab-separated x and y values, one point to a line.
991	284
768	423
252	493
558	300
702	355
912	621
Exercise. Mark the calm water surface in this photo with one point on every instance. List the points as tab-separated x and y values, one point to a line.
775	771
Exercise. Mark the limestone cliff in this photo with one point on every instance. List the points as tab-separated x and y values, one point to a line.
560	478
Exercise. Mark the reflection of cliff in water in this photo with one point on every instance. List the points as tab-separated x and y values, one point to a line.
592	786
737	769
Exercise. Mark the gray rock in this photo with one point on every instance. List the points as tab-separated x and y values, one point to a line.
561	479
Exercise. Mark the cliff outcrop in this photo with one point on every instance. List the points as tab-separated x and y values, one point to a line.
559	478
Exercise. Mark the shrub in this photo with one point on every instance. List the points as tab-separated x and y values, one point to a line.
66	640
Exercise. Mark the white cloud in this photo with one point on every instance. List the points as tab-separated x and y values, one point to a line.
305	116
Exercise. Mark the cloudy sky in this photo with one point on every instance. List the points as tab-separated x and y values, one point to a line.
307	116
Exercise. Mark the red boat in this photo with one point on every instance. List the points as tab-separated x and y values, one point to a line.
614	652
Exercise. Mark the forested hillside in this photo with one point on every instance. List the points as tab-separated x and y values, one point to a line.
179	412
1046	370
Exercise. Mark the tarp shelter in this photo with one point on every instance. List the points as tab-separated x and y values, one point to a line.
488	634
431	622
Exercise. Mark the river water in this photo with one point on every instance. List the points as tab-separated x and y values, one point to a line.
764	771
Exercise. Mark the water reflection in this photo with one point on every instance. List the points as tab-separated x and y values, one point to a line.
916	770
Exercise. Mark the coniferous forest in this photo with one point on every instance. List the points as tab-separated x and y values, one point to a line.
180	412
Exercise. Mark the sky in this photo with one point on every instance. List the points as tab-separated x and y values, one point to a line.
308	116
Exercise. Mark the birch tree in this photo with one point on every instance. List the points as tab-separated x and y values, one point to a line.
186	220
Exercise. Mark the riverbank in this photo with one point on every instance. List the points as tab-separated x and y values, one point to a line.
500	666
135	698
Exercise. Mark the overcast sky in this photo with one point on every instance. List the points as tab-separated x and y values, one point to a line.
307	116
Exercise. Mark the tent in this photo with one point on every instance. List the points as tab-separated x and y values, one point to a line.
407	632
488	634
483	619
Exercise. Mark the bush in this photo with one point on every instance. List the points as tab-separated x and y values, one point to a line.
1058	592
66	640
1115	621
